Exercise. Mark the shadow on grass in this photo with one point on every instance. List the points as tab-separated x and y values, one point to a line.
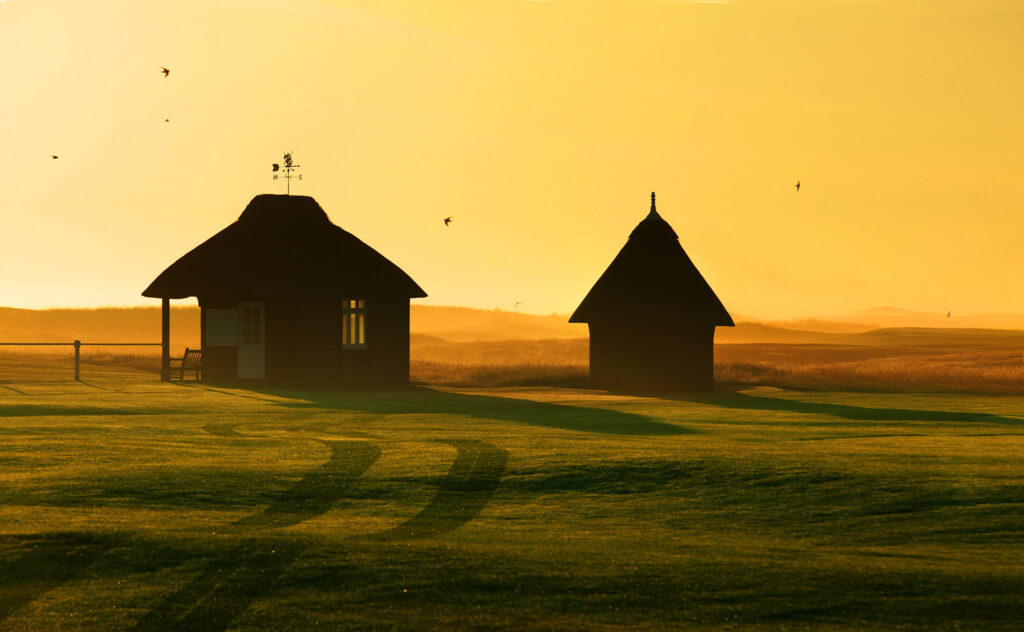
202	386
743	401
427	401
464	492
318	490
224	430
101	388
231	582
49	410
48	561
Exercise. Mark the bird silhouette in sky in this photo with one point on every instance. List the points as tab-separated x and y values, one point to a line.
797	186
53	157
167	120
275	167
165	71
447	220
948	313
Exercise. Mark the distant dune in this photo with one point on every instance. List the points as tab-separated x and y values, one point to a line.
748	332
104	324
889	317
929	336
432	325
429	324
462	324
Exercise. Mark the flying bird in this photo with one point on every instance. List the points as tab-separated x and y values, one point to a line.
797	186
275	167
447	220
167	120
948	313
165	71
53	157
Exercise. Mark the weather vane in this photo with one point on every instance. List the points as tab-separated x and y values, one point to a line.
288	168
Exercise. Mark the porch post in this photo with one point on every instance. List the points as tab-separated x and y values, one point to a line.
165	339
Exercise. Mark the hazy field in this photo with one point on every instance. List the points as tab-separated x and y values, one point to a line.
457	346
879	368
129	504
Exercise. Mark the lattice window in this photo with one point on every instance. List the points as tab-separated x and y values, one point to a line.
353	323
252	325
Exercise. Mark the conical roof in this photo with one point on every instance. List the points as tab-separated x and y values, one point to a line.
282	245
652	280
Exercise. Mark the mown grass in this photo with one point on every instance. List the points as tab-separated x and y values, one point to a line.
129	504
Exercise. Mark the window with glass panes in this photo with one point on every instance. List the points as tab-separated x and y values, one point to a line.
252	327
353	323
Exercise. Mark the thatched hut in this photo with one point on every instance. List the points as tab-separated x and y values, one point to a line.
287	297
652	316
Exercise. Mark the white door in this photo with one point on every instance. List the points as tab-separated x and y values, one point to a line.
252	348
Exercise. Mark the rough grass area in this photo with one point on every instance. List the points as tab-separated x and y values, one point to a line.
924	368
564	363
130	504
898	369
502	363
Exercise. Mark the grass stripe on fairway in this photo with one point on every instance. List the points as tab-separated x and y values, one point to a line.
42	563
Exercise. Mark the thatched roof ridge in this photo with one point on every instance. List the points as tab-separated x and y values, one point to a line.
652	280
282	245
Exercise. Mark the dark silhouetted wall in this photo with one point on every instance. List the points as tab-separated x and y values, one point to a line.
652	356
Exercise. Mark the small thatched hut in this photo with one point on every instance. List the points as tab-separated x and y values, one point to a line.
652	316
288	297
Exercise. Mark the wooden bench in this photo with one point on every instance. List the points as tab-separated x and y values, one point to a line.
191	361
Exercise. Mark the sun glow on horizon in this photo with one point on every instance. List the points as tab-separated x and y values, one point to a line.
541	127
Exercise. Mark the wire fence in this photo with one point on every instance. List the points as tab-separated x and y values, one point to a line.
78	344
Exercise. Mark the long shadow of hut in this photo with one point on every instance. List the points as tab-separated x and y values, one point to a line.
652	316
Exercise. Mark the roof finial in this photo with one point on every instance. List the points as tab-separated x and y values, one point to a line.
653	210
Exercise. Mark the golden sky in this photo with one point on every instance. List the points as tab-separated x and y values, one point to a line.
542	128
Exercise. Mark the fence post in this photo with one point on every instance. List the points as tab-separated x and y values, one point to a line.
78	357
165	339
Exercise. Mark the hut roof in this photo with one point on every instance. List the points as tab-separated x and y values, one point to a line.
282	245
652	280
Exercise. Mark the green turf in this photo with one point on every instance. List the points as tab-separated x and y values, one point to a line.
128	504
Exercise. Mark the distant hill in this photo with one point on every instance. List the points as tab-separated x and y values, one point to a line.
930	336
437	324
890	317
104	324
466	324
747	333
142	324
819	325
